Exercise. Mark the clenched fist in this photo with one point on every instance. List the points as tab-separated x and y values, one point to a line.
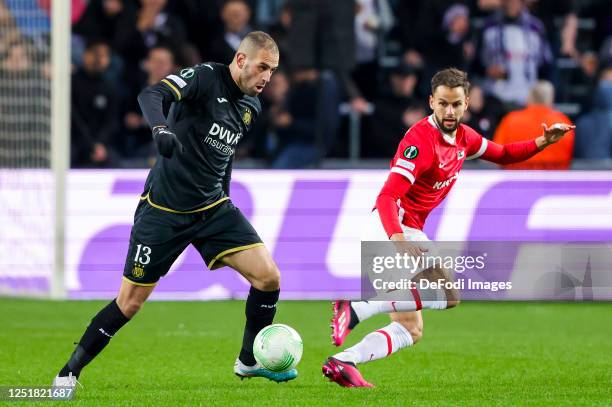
166	141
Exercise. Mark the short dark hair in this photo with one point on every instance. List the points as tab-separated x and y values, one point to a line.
256	40
451	77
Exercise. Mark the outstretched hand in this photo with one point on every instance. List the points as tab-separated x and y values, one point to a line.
554	133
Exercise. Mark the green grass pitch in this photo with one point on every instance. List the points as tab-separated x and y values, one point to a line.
182	353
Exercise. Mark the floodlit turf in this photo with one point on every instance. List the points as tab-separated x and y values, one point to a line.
177	354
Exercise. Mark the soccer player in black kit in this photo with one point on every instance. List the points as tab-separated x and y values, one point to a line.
186	199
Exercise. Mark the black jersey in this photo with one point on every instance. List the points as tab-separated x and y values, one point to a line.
210	115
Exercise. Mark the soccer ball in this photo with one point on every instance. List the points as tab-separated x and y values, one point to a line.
278	348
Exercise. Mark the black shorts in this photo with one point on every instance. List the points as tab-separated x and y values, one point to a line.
158	237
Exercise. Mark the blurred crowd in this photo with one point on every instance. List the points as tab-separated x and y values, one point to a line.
354	74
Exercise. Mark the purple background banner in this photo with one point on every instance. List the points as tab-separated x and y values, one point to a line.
311	221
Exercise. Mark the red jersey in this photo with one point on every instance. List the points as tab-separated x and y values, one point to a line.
426	166
431	160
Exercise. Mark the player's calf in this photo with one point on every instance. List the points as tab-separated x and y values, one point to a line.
430	291
257	266
416	300
347	314
404	331
378	344
97	335
107	322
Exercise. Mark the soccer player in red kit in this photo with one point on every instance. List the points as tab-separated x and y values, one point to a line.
423	171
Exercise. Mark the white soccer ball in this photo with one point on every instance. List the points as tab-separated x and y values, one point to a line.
278	347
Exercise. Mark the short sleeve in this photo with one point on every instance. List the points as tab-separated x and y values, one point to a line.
476	144
191	83
414	156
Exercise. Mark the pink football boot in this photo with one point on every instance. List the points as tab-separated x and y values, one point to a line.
340	321
344	373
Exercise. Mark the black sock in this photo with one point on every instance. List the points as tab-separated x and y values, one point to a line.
260	310
97	335
354	319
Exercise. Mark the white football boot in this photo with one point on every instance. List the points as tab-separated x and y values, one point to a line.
246	372
64	387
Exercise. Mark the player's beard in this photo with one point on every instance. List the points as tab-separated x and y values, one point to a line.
445	128
245	82
248	89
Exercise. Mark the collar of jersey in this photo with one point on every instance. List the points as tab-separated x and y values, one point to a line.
447	137
231	85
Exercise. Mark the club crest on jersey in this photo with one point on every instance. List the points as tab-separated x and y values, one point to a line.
460	154
187	73
411	152
138	271
246	116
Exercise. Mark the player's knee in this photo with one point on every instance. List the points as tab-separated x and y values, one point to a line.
129	307
269	278
452	298
452	304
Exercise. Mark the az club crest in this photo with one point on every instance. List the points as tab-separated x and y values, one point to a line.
246	116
